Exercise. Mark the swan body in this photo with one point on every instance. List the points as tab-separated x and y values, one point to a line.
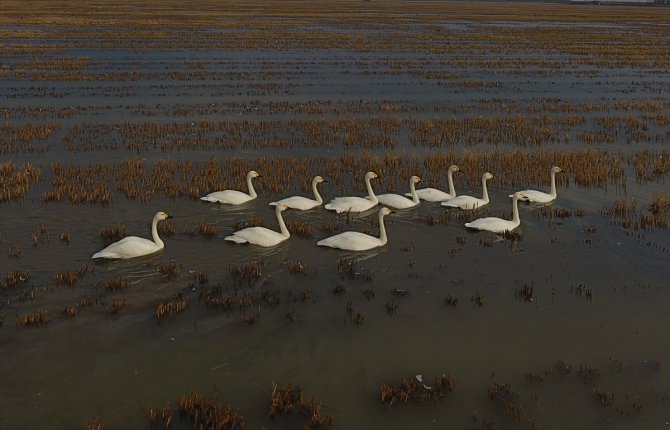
435	195
262	236
469	202
234	197
355	241
499	225
133	246
397	201
535	196
303	203
355	204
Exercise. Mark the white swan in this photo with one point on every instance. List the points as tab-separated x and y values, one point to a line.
538	196
133	246
303	203
469	202
263	236
234	197
355	241
355	204
399	202
499	225
435	195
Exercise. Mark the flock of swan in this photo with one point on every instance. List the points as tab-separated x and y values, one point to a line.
134	246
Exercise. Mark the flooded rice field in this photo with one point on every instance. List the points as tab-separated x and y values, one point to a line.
111	114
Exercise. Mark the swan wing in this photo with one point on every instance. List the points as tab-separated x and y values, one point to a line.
128	247
495	225
260	236
395	201
464	202
232	197
297	202
535	196
353	204
431	195
351	241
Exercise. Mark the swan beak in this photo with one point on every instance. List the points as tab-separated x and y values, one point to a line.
168	216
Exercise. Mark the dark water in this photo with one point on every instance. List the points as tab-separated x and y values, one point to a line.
117	367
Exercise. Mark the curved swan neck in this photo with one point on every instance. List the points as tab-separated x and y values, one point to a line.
450	179
412	188
485	192
319	200
553	184
515	210
370	192
250	185
382	229
154	233
282	225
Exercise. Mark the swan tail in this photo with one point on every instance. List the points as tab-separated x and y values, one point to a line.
235	239
209	199
273	203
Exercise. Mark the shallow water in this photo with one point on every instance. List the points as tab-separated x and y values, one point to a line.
116	367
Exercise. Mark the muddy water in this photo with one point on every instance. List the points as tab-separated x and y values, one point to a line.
116	367
97	365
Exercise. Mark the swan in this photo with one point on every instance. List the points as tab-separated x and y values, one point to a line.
234	197
399	202
355	204
538	196
469	202
262	236
435	195
303	203
133	246
499	225
355	241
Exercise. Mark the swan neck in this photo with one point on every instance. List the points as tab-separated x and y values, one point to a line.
412	188
515	210
282	225
250	185
317	196
450	179
485	191
371	193
553	184
154	233
382	229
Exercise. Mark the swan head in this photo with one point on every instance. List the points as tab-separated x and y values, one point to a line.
385	211
162	215
318	180
281	208
487	176
371	175
415	179
556	169
253	174
519	195
454	168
